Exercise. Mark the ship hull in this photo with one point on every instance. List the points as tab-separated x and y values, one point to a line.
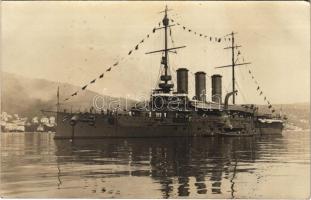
132	127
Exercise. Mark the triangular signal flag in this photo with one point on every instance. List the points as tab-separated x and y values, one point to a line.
83	88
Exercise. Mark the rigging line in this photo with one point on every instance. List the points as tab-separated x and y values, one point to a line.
241	91
240	71
264	95
172	66
201	34
228	86
257	84
170	71
171	36
159	74
111	66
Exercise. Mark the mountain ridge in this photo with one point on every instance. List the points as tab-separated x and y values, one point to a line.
28	96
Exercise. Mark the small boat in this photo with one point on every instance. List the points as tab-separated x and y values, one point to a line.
236	134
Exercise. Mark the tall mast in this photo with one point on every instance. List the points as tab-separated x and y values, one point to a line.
165	23
233	64
164	84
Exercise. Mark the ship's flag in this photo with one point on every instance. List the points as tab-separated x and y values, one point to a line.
93	81
83	88
109	69
115	64
74	94
136	47
258	88
130	52
102	75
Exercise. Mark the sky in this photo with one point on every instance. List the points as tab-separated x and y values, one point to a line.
75	41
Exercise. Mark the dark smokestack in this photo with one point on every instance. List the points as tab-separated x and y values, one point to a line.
200	86
216	88
182	80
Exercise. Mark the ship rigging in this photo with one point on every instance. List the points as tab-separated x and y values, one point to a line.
170	112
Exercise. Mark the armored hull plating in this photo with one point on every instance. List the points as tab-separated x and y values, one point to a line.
102	125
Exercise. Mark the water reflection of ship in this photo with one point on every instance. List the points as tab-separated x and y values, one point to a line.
181	166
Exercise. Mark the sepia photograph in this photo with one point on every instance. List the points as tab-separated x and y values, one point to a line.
155	99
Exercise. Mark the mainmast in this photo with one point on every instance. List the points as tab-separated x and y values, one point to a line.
233	60
165	79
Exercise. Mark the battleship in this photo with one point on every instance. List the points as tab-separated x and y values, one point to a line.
170	112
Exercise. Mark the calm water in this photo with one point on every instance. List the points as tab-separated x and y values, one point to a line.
34	165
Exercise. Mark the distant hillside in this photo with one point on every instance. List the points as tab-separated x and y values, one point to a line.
27	96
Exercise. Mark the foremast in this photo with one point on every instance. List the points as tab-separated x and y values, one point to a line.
165	82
